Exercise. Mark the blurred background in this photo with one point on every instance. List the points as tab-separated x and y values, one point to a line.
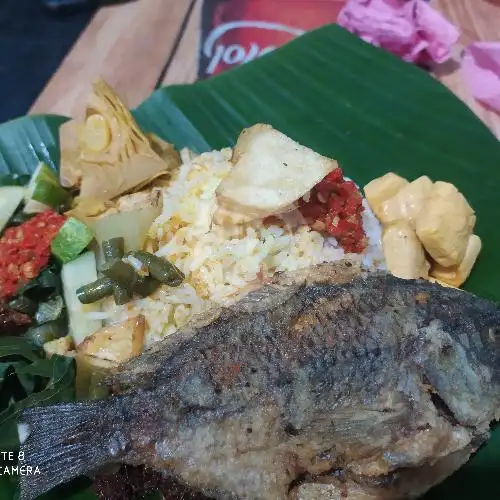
52	50
35	35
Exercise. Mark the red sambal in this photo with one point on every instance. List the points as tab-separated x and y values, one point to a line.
25	250
335	207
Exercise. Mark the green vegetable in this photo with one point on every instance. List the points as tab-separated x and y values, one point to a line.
160	269
122	273
71	240
113	249
23	304
44	191
146	285
131	225
74	275
50	330
49	311
10	199
121	295
97	290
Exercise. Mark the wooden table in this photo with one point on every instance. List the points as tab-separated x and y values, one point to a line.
139	45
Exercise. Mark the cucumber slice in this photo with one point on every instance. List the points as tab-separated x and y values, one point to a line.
44	191
10	198
74	275
71	240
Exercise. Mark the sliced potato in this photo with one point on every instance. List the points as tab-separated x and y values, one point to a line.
116	343
271	171
446	224
61	346
404	254
381	189
457	275
407	202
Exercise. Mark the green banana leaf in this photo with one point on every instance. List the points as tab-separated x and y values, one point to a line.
347	100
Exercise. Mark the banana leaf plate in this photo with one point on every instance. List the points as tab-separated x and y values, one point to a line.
345	99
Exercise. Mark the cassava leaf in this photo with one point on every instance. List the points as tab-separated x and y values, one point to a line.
16	346
61	371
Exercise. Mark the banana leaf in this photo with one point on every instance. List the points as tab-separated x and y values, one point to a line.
347	100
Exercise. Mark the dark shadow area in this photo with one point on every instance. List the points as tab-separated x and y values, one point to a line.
33	43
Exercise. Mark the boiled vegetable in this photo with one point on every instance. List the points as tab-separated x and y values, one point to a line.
71	240
113	249
23	304
121	272
10	198
146	285
116	343
271	172
50	310
132	225
41	334
160	269
74	275
97	290
44	191
122	295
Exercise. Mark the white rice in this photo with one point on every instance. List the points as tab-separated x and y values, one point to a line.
219	261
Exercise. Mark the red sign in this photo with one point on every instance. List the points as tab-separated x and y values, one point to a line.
237	31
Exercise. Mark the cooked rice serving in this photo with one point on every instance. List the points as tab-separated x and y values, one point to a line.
219	262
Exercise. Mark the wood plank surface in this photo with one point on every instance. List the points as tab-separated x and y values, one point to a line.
126	44
137	46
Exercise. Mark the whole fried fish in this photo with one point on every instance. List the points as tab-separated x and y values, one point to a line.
329	383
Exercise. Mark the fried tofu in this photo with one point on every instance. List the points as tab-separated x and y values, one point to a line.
457	275
446	224
61	346
381	189
271	172
404	254
407	202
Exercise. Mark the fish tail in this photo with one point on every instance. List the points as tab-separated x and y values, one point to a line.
68	440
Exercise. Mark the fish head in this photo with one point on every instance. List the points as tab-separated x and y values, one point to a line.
461	336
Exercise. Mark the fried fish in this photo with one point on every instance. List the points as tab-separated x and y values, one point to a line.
329	383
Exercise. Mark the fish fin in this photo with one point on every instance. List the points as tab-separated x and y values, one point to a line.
65	441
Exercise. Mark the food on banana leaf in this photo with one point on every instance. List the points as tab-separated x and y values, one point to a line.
130	219
110	155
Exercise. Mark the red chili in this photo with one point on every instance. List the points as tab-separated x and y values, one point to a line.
25	250
336	206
